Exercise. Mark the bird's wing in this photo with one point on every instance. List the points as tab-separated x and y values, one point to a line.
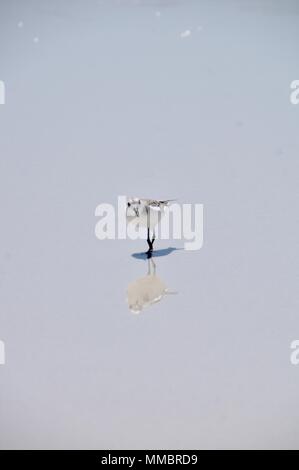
156	202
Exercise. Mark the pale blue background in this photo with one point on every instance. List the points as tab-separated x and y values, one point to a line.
112	101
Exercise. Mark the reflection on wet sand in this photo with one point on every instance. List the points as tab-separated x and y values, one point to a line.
147	290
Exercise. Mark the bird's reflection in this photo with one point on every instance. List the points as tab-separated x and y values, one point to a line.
148	289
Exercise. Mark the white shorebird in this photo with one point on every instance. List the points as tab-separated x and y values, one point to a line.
146	213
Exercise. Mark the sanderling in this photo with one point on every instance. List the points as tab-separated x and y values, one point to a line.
146	213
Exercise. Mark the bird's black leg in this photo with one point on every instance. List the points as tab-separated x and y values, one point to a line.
154	238
149	242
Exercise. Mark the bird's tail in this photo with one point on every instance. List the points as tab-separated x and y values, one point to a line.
167	201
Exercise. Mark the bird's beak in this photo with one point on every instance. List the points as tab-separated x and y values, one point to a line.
136	211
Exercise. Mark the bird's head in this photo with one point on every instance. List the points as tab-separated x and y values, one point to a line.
133	205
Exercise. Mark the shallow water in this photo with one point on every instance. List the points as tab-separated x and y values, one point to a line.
105	99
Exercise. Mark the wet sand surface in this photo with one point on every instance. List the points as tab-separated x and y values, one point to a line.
186	100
